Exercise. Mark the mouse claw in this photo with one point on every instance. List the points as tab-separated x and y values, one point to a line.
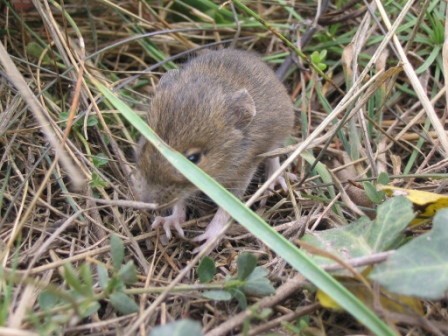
173	221
218	222
282	181
271	166
169	222
207	237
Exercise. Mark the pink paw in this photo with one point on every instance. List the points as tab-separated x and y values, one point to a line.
282	182
169	222
173	221
207	236
272	165
218	222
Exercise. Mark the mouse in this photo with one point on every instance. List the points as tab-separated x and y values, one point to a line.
221	110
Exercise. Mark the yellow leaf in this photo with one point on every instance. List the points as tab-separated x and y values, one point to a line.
391	302
426	204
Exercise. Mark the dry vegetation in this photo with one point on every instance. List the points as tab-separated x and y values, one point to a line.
51	211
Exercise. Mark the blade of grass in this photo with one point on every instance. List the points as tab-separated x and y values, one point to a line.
251	221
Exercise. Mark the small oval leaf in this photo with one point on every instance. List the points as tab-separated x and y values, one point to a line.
217	295
123	303
178	328
103	276
128	273
246	264
47	300
117	251
206	269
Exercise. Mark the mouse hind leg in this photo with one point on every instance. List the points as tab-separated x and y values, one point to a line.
271	166
222	217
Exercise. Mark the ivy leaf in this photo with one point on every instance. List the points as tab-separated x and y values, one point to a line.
419	268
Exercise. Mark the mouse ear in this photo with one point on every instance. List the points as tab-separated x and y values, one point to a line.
169	77
242	108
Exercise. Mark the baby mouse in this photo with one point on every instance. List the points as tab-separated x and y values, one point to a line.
221	110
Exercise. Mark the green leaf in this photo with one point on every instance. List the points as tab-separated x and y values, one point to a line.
346	242
419	268
429	60
186	327
264	314
241	298
257	284
259	287
88	308
393	217
246	264
383	178
371	192
92	121
72	278
206	269
217	295
97	181
323	54
326	177
117	251
315	57
86	275
36	51
100	160
123	303
322	66
128	273
63	118
258	273
47	300
364	237
103	276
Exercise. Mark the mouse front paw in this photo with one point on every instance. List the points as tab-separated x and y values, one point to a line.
172	221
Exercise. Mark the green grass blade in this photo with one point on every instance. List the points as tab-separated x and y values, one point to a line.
251	221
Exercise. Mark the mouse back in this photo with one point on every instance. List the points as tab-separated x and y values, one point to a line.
221	110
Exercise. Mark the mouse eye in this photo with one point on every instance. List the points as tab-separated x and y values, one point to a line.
195	154
195	157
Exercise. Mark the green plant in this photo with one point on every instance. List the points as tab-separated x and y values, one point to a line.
250	280
59	307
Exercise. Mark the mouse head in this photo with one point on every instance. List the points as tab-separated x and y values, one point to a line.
202	121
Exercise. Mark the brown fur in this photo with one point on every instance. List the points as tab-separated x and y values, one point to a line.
204	107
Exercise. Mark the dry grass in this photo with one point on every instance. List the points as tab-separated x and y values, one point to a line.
49	210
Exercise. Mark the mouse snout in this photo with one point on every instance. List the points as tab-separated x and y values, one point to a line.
152	193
